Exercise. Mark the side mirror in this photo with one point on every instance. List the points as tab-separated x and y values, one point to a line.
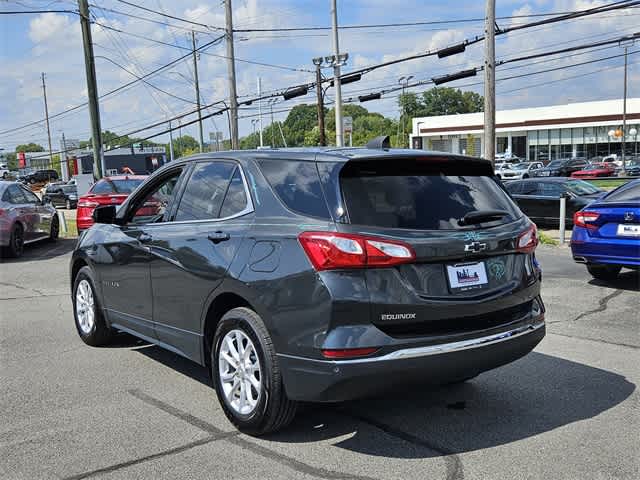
104	214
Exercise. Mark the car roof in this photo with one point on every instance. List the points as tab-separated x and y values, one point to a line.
126	177
330	154
547	179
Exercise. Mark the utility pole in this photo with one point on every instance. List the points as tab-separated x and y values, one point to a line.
260	108
490	81
195	74
64	170
231	67
92	89
318	62
624	113
273	135
404	82
170	142
46	114
336	75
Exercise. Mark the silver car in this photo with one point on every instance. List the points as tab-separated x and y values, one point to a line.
24	218
519	171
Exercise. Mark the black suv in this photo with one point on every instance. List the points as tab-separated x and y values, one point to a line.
40	176
315	275
561	167
61	195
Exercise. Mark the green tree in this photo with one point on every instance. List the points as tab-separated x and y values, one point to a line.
301	119
29	147
450	101
185	145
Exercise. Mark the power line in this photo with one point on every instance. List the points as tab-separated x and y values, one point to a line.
171	16
117	89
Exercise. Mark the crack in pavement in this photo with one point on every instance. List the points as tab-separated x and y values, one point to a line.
603	303
627	345
147	458
234	438
455	470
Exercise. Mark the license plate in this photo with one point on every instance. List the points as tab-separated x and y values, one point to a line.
628	230
465	276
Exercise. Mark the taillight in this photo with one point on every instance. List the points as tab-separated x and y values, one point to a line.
87	204
328	251
342	353
585	219
527	240
1	212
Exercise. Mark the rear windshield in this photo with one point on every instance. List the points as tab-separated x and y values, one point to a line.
626	193
415	197
125	186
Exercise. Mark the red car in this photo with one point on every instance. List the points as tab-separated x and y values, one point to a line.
595	170
106	191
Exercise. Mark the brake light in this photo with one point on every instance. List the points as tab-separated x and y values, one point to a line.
87	204
348	352
585	219
328	251
528	240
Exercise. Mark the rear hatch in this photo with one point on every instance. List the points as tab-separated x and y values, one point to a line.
464	230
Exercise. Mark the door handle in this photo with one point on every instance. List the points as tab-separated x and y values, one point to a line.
217	237
144	238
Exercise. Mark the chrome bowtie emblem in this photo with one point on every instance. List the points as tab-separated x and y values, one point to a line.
475	247
628	216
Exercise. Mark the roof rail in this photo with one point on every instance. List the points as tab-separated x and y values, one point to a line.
381	142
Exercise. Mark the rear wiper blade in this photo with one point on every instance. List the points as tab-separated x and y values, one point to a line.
482	216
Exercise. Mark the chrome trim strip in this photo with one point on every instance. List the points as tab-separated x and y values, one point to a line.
417	352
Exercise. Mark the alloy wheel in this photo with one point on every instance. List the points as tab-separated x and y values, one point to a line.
85	307
239	371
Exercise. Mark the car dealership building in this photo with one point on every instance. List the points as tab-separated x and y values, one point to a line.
586	129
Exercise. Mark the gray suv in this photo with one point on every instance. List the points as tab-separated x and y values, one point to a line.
315	275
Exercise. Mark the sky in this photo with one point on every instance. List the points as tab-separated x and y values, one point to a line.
51	43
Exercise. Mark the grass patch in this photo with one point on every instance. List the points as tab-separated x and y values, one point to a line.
546	239
608	184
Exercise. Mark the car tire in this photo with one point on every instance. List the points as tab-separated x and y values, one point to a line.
526	175
498	176
16	242
54	231
604	272
269	409
5	175
92	328
67	205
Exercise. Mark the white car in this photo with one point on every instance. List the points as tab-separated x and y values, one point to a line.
4	171
518	171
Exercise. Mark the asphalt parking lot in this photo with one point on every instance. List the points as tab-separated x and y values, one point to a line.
569	410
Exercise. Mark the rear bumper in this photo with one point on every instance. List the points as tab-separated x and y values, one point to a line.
331	381
611	251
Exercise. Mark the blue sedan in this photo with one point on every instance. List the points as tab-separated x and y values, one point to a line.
606	233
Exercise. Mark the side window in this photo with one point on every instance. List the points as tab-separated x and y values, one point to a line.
550	189
156	204
30	197
514	188
102	186
205	191
15	195
529	188
236	199
297	184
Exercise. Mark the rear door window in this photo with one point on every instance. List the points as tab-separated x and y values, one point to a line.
297	184
205	191
422	197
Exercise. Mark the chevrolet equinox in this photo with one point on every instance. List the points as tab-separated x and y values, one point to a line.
315	275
